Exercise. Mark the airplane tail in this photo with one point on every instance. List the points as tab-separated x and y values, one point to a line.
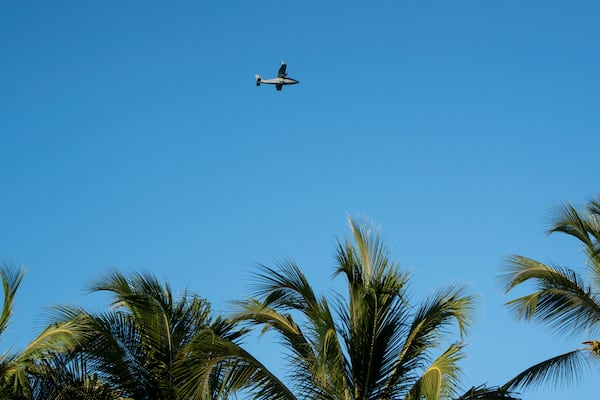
258	79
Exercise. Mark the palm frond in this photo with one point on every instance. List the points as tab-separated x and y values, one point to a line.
441	379
374	255
571	221
254	312
209	355
11	280
112	348
307	354
435	315
583	224
285	287
66	376
561	298
559	370
483	392
56	338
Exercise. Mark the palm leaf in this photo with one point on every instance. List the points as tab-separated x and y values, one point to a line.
562	300
583	224
487	393
559	370
210	355
432	318
442	378
11	280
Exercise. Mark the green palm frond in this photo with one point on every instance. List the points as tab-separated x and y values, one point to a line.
432	318
55	339
561	298
441	380
210	356
144	298
487	393
574	222
583	224
11	280
112	347
66	376
373	254
253	312
285	287
315	353
19	370
559	370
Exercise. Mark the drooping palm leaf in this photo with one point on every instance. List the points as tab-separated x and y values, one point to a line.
488	393
559	370
210	357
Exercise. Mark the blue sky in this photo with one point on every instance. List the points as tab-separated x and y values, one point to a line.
132	136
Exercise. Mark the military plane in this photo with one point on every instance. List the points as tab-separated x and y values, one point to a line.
282	79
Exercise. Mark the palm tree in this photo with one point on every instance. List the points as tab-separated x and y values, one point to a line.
562	299
370	343
152	346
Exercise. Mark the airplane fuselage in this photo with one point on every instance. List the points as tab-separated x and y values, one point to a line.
280	81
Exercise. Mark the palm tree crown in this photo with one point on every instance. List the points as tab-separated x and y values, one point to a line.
151	345
369	343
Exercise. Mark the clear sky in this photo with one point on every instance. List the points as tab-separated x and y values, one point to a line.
132	136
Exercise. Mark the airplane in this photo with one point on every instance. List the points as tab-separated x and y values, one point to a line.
282	79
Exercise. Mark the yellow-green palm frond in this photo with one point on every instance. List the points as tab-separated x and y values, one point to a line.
561	299
441	380
583	224
11	278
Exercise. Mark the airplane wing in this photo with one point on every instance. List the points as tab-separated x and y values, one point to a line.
281	73
278	86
